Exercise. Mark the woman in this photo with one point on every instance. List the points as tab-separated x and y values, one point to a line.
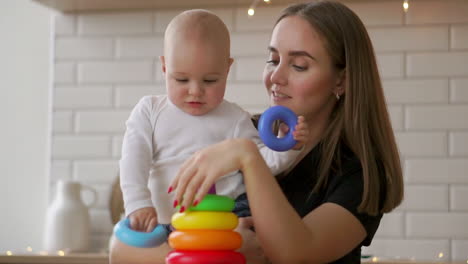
322	66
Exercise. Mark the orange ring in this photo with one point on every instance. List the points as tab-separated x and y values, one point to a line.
204	220
205	240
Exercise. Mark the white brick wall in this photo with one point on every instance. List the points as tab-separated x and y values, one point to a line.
105	62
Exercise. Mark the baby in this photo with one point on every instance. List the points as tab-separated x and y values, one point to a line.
164	130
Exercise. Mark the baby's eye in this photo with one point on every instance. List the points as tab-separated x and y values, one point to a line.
211	81
181	80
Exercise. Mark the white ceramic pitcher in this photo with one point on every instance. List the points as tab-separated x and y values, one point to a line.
67	225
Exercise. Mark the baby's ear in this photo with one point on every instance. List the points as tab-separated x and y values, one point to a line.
230	61
163	63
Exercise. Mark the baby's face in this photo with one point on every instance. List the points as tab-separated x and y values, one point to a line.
196	75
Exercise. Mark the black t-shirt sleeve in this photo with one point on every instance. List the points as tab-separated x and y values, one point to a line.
345	189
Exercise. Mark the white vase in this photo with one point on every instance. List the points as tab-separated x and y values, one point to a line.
67	225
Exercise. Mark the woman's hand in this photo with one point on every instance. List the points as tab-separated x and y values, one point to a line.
201	170
250	247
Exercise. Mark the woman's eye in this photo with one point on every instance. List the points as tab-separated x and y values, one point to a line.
299	68
272	62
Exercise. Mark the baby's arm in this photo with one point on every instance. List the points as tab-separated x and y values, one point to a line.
135	164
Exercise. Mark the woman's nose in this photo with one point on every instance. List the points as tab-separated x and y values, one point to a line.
279	75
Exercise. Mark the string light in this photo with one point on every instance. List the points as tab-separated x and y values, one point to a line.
9	253
29	249
405	5
441	254
61	253
375	259
251	10
43	253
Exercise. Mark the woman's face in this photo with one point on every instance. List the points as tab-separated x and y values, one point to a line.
299	73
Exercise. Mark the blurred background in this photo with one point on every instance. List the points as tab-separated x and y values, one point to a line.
70	73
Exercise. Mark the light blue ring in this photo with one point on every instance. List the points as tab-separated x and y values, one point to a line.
134	238
265	123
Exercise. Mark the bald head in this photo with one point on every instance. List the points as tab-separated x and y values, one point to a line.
197	27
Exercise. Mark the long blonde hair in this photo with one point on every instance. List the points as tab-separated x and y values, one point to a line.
360	119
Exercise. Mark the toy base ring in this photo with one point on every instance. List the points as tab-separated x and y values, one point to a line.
265	124
205	257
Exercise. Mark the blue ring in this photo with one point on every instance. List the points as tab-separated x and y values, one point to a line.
134	238
265	123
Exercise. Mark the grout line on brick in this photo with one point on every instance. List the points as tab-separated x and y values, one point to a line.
449	37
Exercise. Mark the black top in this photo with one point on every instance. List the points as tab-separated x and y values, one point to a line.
345	188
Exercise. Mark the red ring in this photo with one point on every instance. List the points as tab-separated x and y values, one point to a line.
205	257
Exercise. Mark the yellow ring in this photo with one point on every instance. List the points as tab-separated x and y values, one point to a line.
205	240
204	220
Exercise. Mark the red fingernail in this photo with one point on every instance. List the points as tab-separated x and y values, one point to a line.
176	203
169	190
182	209
195	203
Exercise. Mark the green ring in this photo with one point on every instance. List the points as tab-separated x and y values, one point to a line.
213	202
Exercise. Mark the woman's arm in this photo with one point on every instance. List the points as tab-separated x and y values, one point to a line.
325	234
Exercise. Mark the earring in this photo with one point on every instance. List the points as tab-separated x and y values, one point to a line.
337	96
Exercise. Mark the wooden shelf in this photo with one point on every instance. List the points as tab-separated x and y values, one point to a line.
68	259
104	259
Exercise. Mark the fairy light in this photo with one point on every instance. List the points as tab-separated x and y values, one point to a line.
375	259
251	10
43	253
9	253
405	5
61	253
29	249
441	255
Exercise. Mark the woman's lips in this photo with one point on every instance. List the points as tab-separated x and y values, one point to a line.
279	97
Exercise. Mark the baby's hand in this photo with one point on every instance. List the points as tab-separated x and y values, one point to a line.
301	133
144	219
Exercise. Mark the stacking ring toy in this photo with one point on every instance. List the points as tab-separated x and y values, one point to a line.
205	240
204	220
205	257
213	202
265	124
134	238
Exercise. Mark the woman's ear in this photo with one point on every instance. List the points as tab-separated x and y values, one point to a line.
163	63
340	85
